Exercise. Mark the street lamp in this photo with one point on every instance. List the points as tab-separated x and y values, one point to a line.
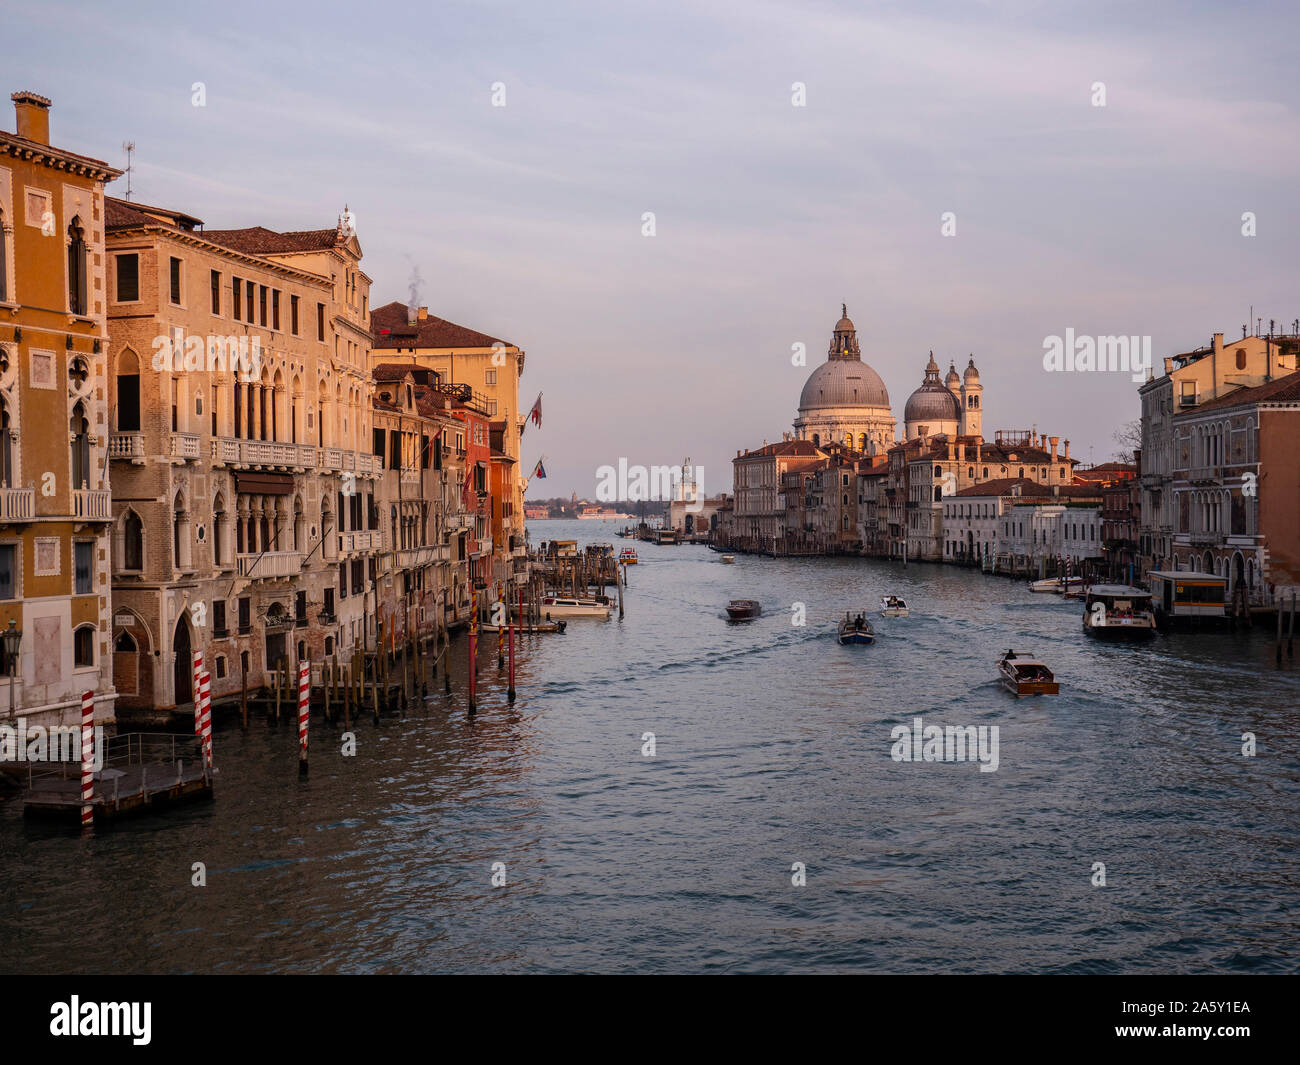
13	639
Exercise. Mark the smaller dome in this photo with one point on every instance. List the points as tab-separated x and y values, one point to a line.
971	373
932	367
845	324
952	377
931	404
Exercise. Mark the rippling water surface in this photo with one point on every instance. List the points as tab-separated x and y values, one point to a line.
773	747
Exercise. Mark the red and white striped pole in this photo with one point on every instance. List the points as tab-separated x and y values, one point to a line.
198	673
205	702
87	759
304	697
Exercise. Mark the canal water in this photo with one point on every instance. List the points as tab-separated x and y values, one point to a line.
772	746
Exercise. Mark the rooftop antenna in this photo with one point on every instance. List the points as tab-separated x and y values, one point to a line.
128	147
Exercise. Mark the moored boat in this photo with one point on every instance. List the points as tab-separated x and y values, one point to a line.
728	559
744	609
893	606
1057	585
554	606
1022	674
1118	610
856	630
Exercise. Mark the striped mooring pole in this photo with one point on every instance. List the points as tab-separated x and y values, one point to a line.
304	699
87	759
205	723
473	650
198	675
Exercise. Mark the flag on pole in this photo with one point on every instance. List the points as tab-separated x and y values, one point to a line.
540	471
87	759
535	414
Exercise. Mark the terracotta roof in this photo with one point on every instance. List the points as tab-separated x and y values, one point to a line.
258	240
390	371
127	214
1031	491
804	448
1284	389
389	327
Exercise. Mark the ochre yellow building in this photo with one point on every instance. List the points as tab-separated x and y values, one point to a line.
55	506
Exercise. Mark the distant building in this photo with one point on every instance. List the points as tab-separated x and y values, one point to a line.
1189	380
1235	486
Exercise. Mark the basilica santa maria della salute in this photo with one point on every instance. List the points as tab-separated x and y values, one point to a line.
845	401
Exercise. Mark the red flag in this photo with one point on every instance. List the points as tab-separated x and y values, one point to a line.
536	413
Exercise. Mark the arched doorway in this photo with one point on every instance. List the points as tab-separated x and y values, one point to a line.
183	665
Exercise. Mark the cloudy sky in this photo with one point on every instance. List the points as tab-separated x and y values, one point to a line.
525	221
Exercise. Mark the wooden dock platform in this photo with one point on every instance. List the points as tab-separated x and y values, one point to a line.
141	771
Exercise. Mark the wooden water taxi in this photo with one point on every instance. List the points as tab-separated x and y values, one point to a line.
856	630
1057	585
554	606
744	609
893	606
1022	674
1118	610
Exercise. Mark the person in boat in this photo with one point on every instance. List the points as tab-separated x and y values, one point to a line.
1009	656
857	623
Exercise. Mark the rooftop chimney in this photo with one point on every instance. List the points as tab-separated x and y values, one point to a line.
1066	456
1054	441
1218	342
423	313
33	114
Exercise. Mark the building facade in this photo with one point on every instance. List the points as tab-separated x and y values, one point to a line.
55	510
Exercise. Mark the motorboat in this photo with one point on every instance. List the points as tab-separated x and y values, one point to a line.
628	556
744	609
1118	610
856	630
893	606
555	606
1023	674
1057	585
728	560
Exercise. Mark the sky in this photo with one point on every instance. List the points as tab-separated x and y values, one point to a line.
526	221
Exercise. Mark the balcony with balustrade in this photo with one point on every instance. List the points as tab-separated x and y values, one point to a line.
185	448
17	504
127	447
92	504
272	565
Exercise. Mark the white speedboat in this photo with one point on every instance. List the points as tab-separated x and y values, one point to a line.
1057	585
1118	610
554	606
893	606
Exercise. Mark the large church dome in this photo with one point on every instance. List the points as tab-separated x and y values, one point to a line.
843	383
844	401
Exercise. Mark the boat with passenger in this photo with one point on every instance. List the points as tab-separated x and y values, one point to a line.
744	609
856	630
1118	610
1023	674
893	606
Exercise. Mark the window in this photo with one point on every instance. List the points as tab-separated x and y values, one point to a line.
293	315
221	666
219	617
76	268
83	647
1241	358
320	321
84	566
216	291
343	580
261	305
358	575
245	615
175	275
394	449
329	604
128	278
8	570
300	609
489	377
378	445
248	298
492	408
236	301
133	542
4	262
275	309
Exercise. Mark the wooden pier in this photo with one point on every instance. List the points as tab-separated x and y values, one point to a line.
141	771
